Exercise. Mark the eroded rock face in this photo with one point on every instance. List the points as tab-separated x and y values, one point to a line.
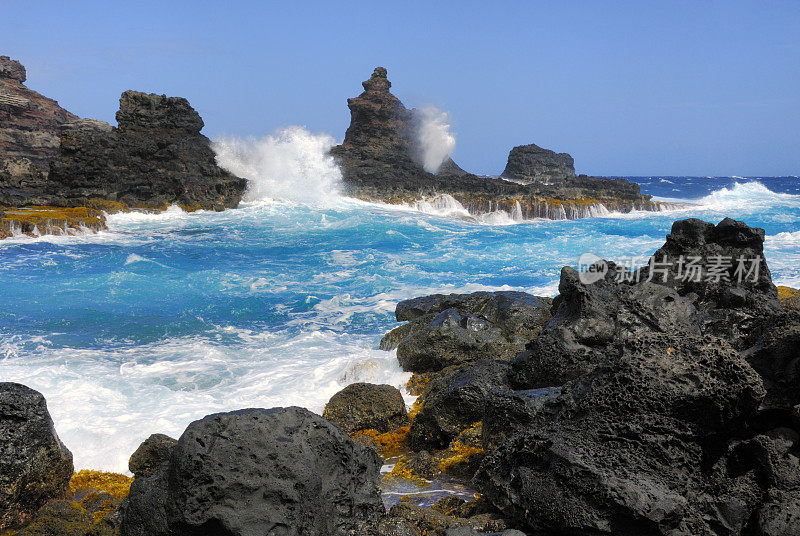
35	466
157	156
30	123
734	307
623	449
277	471
531	163
366	406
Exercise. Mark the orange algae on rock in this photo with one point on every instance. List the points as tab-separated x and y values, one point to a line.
392	443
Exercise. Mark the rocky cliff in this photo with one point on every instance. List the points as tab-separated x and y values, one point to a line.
380	159
30	123
155	157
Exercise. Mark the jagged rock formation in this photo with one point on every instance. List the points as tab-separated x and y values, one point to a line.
667	407
531	163
30	123
35	466
157	156
380	159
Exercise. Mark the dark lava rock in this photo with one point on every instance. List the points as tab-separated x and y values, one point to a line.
30	125
637	446
151	454
22	183
519	315
255	471
733	309
510	412
366	406
455	401
381	161
776	356
446	330
531	163
589	317
157	156
34	465
451	339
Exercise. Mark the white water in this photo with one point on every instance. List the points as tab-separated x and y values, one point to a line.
291	164
436	140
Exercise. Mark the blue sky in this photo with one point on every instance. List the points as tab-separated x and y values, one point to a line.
666	88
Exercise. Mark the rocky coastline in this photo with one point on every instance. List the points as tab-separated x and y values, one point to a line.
636	404
381	161
60	174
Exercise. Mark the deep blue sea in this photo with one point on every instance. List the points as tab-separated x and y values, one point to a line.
165	318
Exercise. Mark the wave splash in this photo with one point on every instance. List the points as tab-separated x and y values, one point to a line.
436	140
291	164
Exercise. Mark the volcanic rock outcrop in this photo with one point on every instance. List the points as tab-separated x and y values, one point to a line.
381	161
35	466
531	163
157	156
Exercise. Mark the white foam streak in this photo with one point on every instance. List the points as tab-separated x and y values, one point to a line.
436	141
292	164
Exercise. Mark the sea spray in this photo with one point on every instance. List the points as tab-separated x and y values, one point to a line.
436	141
291	164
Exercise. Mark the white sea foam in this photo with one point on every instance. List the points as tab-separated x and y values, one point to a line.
292	164
436	140
105	402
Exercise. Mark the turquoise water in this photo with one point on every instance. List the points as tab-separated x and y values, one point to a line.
165	318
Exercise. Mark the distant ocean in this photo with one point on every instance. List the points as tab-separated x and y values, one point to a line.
165	318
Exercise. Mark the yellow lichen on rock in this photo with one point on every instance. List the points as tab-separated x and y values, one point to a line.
402	471
114	484
789	297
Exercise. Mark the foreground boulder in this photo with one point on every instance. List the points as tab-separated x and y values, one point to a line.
733	287
256	471
34	465
366	406
157	156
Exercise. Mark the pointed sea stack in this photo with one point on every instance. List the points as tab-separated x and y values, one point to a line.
381	161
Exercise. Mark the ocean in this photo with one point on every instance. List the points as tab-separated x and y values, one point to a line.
165	318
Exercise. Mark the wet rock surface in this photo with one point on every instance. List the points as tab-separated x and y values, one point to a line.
151	454
366	406
35	466
277	471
